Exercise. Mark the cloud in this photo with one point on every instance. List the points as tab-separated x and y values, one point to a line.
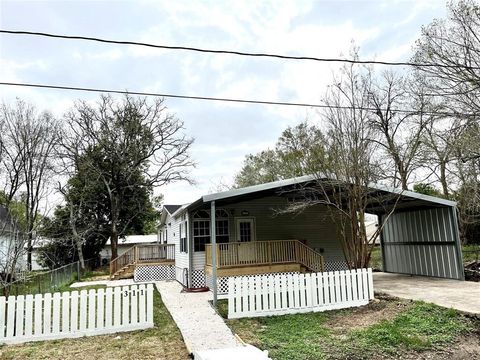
224	132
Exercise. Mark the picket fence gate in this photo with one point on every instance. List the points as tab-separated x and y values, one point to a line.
74	314
278	294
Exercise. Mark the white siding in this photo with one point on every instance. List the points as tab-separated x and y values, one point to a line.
181	259
121	249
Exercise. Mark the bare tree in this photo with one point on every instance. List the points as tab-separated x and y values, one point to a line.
399	134
75	214
466	169
127	143
350	164
438	153
353	159
450	50
28	145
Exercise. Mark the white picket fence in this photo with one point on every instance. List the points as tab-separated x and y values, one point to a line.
278	294
75	314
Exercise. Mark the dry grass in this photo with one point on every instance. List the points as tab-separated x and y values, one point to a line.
164	341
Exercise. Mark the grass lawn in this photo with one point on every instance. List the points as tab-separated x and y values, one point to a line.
376	259
385	329
164	341
470	253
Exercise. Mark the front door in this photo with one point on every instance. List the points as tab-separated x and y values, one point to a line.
245	234
245	229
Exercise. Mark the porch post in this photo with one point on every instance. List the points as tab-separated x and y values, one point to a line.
213	241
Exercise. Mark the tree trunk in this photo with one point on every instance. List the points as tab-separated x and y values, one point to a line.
443	179
114	241
78	244
404	182
29	251
114	232
76	238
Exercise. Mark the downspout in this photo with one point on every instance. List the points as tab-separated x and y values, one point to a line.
190	250
213	238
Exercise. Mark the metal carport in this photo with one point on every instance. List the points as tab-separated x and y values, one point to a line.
420	237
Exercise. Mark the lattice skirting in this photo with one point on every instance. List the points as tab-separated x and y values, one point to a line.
198	279
335	265
222	282
154	273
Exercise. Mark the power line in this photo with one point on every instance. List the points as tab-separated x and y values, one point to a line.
229	52
233	100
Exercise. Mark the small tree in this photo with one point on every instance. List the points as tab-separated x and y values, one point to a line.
349	165
353	164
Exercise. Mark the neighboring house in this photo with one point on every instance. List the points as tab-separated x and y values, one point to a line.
419	237
371	226
166	223
37	248
11	243
125	243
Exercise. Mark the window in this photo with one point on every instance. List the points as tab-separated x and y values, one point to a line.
221	213
201	234
201	214
183	237
221	228
201	228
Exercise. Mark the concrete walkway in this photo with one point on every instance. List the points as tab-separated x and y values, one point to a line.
460	295
202	328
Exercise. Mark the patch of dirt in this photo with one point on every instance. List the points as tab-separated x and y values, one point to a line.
465	347
383	307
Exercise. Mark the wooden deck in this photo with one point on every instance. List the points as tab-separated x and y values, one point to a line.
260	257
151	254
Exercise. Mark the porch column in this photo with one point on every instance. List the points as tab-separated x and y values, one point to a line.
213	238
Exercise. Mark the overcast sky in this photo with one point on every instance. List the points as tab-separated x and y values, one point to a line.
224	133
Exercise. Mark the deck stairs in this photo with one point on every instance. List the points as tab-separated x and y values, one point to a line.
125	272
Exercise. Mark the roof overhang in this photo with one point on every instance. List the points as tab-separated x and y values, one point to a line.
383	198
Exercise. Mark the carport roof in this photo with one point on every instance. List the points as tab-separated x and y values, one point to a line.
403	199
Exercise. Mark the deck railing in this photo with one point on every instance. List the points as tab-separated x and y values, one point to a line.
143	254
237	254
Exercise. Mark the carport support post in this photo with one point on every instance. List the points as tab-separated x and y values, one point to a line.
213	237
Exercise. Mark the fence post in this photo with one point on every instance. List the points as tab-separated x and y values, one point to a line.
78	271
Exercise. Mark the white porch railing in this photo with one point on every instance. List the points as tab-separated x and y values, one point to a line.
75	314
278	294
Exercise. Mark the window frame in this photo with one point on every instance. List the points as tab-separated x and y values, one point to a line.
183	236
200	217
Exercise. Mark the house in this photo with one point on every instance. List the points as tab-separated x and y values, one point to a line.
38	245
419	234
11	244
